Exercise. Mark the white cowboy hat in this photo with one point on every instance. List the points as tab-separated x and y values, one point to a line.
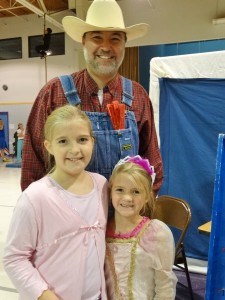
102	15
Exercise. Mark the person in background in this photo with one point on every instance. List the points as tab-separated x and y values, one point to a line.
3	144
140	250
55	247
15	143
20	137
42	49
98	89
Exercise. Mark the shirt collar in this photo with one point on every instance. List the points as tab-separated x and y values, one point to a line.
92	88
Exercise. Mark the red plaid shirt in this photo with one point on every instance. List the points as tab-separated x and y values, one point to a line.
51	96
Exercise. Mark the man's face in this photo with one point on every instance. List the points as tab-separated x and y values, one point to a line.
104	51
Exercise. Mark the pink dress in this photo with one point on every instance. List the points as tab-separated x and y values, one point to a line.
48	241
139	264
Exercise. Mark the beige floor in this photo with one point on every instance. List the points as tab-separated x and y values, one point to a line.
9	192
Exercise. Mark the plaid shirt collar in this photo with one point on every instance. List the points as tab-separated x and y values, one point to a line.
92	88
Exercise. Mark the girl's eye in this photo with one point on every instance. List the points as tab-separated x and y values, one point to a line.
119	190
62	141
83	140
136	192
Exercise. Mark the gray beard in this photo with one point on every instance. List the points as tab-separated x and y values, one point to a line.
101	68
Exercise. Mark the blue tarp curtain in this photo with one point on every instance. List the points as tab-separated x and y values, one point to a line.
192	114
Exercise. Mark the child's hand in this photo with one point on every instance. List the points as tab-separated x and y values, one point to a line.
48	295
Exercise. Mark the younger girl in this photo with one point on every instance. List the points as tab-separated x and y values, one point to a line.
140	251
56	242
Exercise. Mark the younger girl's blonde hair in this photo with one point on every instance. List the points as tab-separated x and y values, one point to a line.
57	117
142	179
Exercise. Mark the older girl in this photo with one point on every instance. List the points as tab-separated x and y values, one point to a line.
56	242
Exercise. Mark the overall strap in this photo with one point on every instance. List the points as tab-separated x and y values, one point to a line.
127	91
69	89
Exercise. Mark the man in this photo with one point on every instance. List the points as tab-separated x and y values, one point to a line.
103	36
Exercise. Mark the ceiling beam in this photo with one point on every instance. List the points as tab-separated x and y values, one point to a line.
10	8
41	3
39	12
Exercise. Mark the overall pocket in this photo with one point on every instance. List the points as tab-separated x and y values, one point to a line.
112	145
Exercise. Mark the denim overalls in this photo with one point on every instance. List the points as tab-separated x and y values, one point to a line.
110	145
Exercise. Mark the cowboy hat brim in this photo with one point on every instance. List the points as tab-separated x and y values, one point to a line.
76	28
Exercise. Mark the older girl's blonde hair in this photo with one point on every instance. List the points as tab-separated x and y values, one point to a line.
141	178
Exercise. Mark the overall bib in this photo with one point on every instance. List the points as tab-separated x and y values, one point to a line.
110	145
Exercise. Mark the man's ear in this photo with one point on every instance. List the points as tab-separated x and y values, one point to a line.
48	146
83	39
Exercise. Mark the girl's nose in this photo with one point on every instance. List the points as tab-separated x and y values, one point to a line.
128	197
74	148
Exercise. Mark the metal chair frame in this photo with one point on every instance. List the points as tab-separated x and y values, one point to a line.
176	212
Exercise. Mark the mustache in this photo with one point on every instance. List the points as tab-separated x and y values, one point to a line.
108	52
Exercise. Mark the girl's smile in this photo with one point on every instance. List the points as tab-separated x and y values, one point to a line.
127	205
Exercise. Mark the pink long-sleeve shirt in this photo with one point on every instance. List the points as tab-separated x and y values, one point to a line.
47	243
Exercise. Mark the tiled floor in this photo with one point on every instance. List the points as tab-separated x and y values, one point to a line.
9	192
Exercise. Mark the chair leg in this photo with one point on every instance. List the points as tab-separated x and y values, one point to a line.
187	273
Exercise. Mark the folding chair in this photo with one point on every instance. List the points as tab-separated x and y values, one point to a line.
176	213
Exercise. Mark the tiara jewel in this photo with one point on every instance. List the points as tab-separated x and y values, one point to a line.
143	162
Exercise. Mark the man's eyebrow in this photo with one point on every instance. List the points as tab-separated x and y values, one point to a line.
94	32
